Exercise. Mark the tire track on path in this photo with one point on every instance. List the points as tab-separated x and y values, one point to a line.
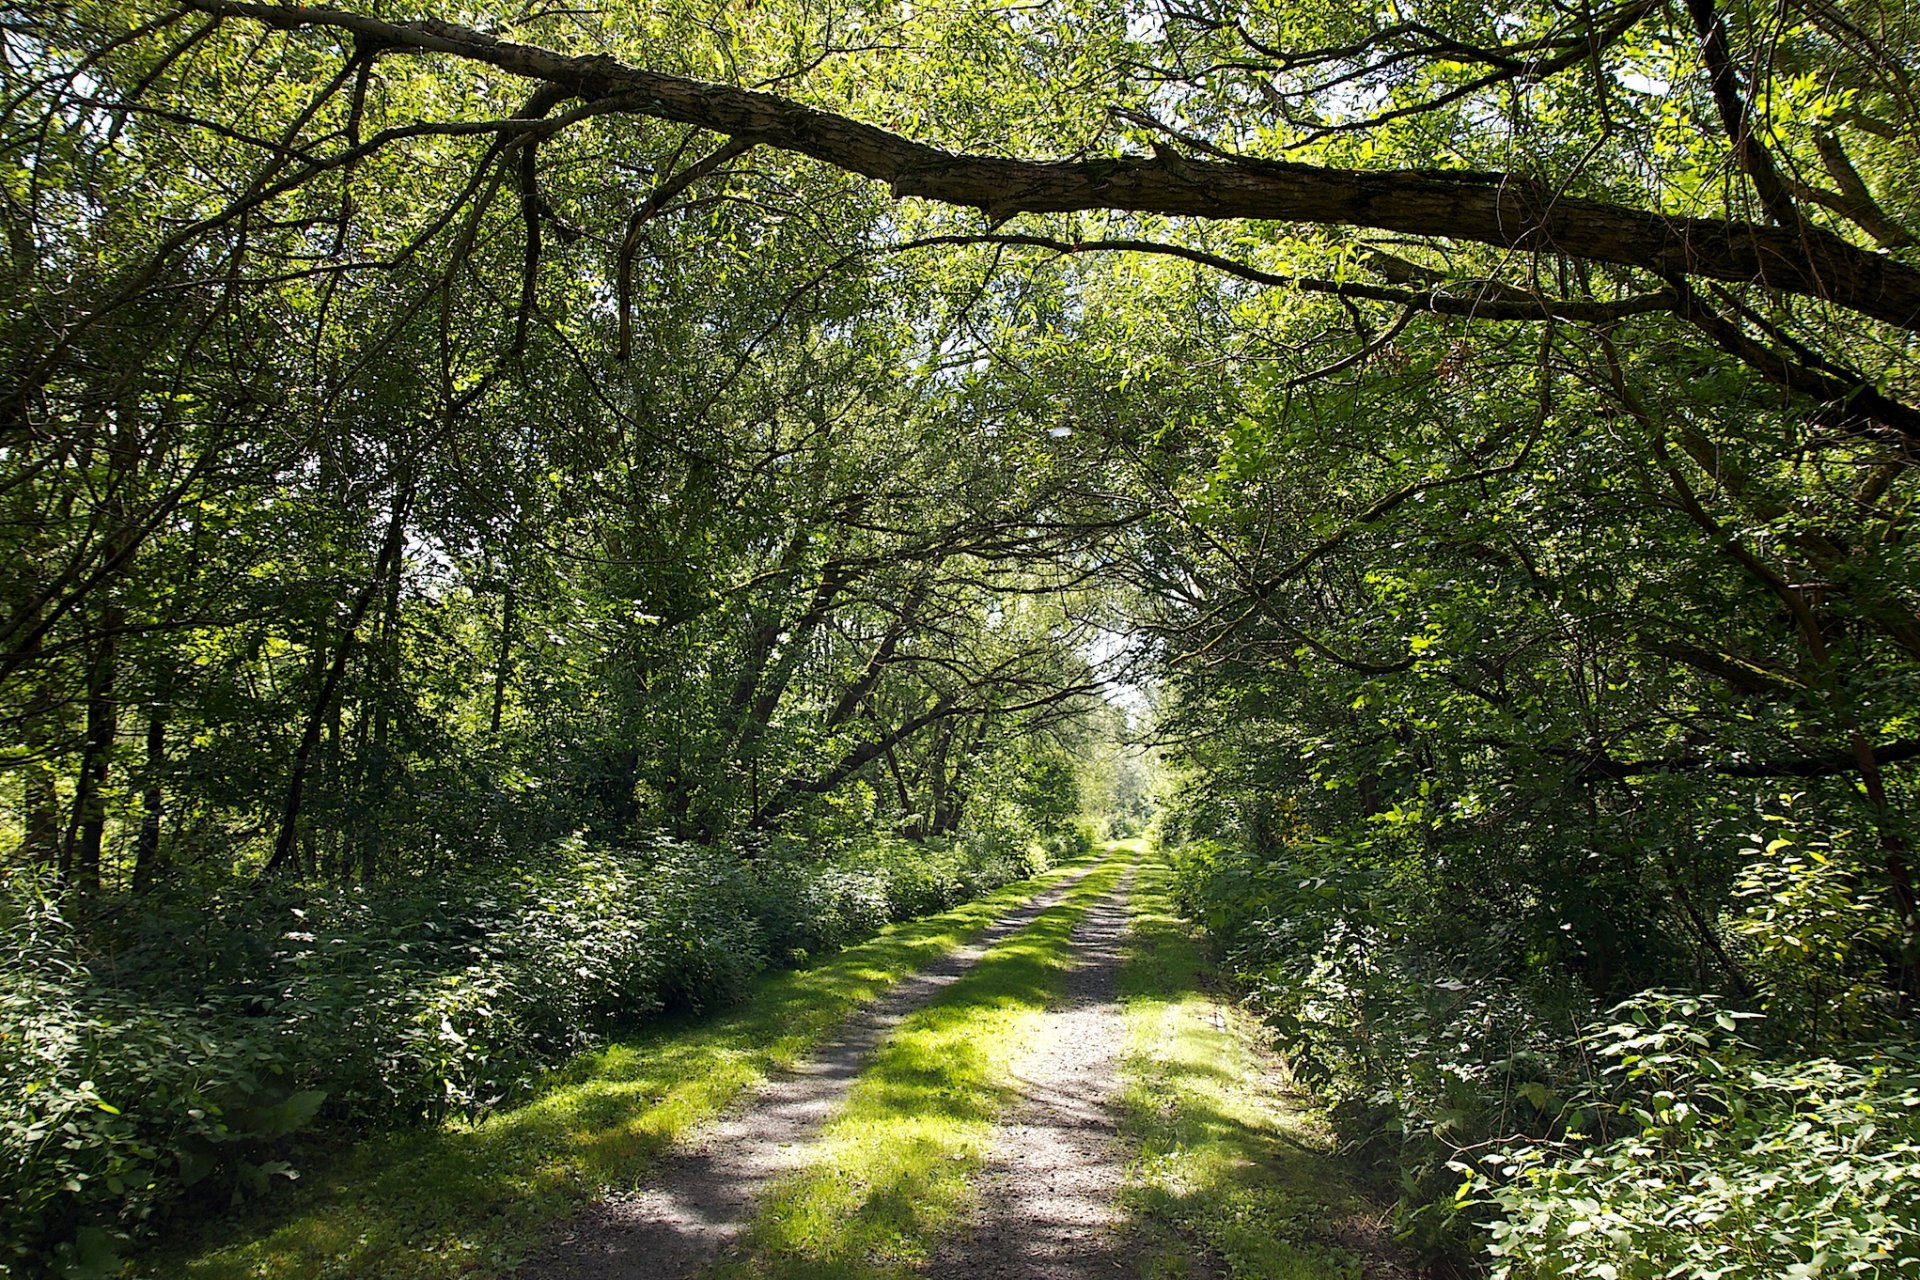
1047	1197
698	1200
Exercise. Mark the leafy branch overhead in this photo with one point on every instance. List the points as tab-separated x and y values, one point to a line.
1787	251
1500	209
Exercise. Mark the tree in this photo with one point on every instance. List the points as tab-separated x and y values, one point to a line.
1658	182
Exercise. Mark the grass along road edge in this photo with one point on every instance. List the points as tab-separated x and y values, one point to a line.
1229	1168
893	1172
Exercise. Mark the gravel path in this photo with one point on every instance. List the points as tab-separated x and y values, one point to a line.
701	1199
1046	1197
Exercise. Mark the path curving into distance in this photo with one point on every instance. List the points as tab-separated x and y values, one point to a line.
700	1200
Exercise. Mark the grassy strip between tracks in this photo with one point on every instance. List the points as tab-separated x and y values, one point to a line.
1227	1163
470	1200
892	1172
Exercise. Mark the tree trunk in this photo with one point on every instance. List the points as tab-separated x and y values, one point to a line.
89	827
957	792
388	563
146	857
910	825
503	662
379	792
41	843
937	779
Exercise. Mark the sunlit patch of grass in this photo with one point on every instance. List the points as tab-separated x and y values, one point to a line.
471	1200
1229	1166
892	1172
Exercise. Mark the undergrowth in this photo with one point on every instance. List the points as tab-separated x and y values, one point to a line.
1721	1163
168	1064
1558	1126
1226	1161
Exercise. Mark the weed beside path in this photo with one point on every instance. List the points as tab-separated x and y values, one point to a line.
471	1200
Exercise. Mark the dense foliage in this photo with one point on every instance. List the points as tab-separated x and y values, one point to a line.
1727	1164
1485	437
169	1055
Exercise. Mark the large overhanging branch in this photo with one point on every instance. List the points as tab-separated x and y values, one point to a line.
1495	209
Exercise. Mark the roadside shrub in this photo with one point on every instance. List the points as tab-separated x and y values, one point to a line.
116	1106
1726	1165
1421	1043
810	907
809	911
171	1049
1654	1142
1069	840
1812	930
936	880
705	935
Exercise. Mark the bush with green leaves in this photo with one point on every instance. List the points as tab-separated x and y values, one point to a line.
1811	928
171	1053
807	912
413	1002
808	907
1720	1162
116	1104
1655	1142
1422	1038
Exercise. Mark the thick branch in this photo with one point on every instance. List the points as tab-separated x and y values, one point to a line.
1856	202
1849	402
1494	209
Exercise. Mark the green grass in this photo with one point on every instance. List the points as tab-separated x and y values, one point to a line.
892	1171
470	1200
1228	1164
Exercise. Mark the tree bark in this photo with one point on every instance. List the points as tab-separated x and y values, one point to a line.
937	779
957	790
386	680
42	838
89	827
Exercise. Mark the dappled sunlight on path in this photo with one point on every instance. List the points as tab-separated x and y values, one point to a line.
699	1201
1047	1197
1063	1099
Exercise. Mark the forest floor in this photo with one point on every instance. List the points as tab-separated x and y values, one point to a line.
1039	1085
